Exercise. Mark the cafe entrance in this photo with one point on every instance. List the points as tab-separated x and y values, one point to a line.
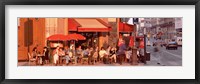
91	39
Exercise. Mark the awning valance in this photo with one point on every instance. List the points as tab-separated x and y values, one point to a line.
72	24
124	27
88	25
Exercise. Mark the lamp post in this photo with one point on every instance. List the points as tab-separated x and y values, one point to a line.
145	35
134	48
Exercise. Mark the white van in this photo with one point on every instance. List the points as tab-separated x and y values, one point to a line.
179	41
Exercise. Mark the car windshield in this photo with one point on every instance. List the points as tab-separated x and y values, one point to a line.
172	42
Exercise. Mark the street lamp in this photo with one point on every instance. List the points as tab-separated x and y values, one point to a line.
145	35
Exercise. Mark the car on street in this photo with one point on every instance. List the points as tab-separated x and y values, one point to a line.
172	45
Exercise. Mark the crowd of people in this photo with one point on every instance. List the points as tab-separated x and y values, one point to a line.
89	55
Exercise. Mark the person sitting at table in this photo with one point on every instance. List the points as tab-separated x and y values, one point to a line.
72	54
79	54
55	56
34	52
102	53
40	58
61	53
129	54
113	54
106	57
46	55
85	54
67	57
90	56
96	54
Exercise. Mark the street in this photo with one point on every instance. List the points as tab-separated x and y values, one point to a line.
167	57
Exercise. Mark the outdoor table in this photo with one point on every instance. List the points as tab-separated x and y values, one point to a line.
39	56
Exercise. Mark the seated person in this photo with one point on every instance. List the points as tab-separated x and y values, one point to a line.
67	57
46	55
61	53
129	54
72	54
113	54
79	53
85	54
90	56
102	53
34	52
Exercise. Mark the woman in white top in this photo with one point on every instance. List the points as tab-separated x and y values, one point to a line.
102	52
55	57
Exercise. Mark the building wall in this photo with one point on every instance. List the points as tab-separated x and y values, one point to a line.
61	26
56	26
51	26
109	38
178	23
36	36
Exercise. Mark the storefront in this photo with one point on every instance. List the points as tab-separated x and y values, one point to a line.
126	31
94	29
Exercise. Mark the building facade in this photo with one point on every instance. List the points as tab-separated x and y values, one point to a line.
31	33
99	32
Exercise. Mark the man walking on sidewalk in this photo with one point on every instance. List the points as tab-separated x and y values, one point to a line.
158	52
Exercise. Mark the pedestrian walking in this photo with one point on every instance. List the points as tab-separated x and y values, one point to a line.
121	52
158	53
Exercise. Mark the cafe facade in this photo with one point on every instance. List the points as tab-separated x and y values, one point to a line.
99	32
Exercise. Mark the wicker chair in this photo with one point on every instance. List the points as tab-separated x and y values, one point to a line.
31	59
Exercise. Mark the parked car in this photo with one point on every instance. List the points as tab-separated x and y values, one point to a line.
172	45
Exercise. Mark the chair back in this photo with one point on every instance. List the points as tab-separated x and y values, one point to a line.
29	56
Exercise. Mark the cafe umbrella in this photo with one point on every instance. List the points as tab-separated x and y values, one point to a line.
75	37
57	37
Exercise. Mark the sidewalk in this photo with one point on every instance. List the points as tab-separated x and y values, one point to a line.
97	64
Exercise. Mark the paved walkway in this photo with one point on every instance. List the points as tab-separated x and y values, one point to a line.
70	64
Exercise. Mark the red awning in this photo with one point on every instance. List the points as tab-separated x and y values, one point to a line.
124	27
73	25
88	25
